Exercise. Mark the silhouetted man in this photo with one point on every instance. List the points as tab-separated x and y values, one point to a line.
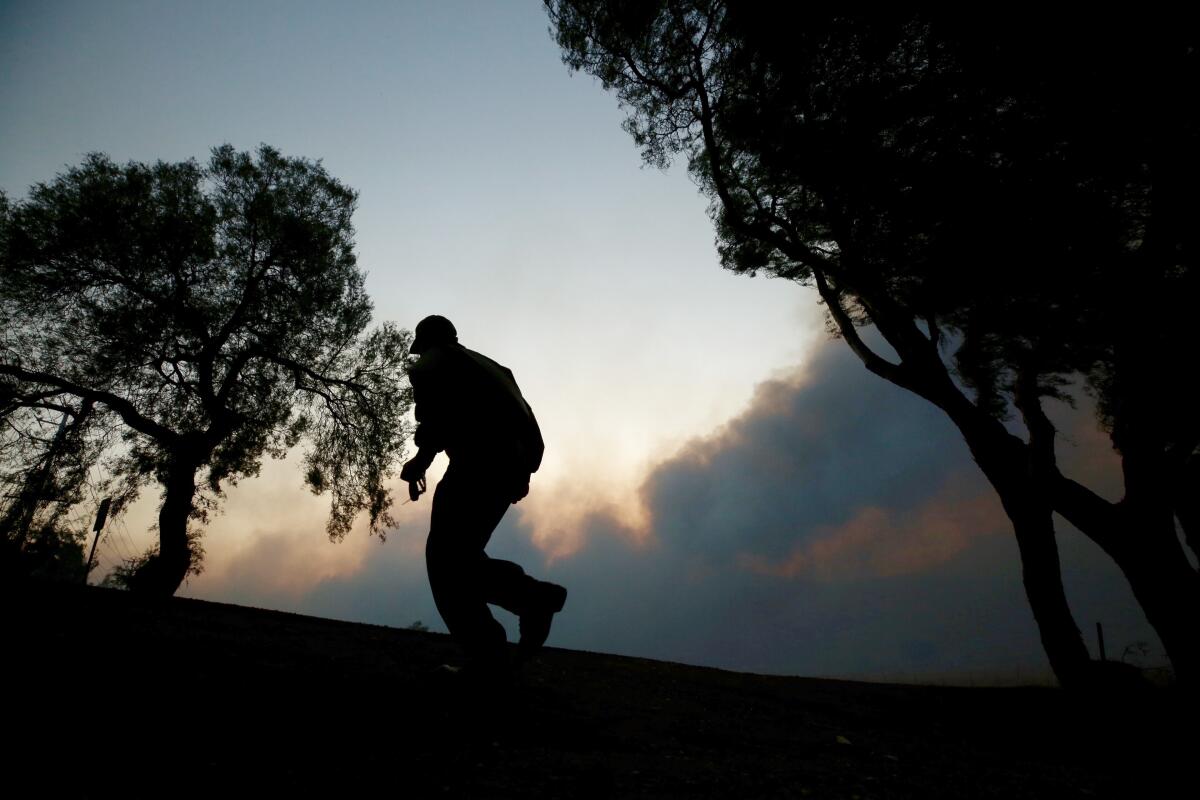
470	406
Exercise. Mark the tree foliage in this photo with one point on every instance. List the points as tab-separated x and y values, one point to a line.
206	316
1008	203
47	449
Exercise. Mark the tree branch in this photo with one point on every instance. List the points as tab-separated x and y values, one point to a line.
123	407
239	314
307	371
721	184
1086	510
670	92
14	401
935	332
872	360
1027	398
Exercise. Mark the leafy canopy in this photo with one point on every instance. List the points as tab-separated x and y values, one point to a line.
211	315
1004	182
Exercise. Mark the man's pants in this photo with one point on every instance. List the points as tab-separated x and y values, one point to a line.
467	507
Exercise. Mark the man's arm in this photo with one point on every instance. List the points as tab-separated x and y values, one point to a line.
430	434
414	469
427	438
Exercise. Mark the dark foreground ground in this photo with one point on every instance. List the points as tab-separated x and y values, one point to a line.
113	695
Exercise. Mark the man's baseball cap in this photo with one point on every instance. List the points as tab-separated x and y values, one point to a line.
433	330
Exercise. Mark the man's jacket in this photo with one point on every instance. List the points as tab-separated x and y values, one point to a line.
471	407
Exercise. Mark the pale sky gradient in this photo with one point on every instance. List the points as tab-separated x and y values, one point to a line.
495	189
499	190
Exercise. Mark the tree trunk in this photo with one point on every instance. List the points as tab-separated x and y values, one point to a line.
1023	474
1008	467
165	571
1146	543
1168	589
1169	593
1041	573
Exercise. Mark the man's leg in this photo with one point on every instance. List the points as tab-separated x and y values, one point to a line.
459	572
467	507
534	602
506	585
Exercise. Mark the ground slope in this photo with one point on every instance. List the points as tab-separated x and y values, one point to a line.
111	694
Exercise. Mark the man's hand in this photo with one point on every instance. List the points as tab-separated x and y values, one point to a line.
413	472
416	488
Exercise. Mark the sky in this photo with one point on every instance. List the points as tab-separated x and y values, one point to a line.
723	484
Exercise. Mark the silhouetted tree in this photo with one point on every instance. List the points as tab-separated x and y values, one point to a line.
203	316
1010	203
45	456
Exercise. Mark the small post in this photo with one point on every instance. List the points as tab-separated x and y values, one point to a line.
1100	636
101	517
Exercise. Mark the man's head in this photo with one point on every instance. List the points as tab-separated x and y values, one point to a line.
432	331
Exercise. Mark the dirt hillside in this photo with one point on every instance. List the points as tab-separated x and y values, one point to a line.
113	694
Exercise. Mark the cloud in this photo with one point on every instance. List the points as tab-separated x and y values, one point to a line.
287	563
880	542
838	526
808	455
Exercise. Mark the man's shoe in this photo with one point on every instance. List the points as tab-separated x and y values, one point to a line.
549	599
